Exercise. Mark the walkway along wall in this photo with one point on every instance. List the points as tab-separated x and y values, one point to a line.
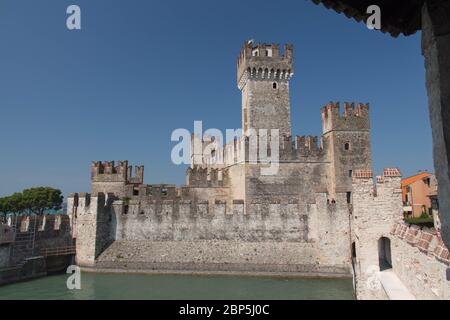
30	246
382	242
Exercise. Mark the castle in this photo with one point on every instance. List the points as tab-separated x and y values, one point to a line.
311	218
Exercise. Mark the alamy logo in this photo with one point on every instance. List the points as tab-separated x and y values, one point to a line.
373	282
374	21
73	21
208	148
74	281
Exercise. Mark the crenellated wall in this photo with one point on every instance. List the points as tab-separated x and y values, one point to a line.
264	61
34	246
249	149
107	177
376	205
206	177
30	235
93	224
351	119
187	220
312	227
347	137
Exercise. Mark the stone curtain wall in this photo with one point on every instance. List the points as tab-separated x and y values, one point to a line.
202	236
149	234
375	208
330	230
29	236
50	231
218	256
420	259
186	220
26	256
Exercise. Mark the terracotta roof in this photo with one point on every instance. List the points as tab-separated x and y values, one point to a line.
392	172
363	174
412	179
397	16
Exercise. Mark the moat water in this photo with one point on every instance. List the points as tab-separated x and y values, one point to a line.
159	287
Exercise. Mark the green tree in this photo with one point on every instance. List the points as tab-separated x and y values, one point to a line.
32	201
5	206
16	203
38	200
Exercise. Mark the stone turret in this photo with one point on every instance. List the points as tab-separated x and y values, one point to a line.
93	218
354	119
264	61
108	178
348	139
263	75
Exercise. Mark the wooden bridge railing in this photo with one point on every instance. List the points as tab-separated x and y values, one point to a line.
60	251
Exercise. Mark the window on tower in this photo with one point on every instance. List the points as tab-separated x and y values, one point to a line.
274	85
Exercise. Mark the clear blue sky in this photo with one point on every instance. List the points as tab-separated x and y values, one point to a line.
140	69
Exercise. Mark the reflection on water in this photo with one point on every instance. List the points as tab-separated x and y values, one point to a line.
114	286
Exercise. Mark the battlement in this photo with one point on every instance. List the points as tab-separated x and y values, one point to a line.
363	174
83	199
248	148
290	148
352	119
82	205
198	176
388	173
108	167
169	208
264	62
107	171
310	144
386	187
138	177
45	223
301	147
216	219
392	173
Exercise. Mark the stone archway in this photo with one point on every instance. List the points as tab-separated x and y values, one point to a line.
384	253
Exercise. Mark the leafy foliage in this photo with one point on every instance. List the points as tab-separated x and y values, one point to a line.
425	221
32	201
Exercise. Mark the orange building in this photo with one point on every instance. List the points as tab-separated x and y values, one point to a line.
416	191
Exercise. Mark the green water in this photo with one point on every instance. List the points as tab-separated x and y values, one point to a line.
113	286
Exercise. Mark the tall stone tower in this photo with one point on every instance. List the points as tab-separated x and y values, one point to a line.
347	135
263	75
